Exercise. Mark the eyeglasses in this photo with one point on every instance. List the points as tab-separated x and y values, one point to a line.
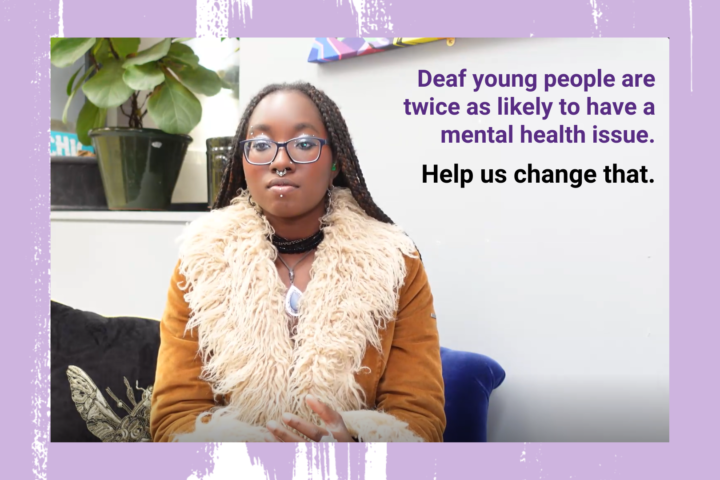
262	151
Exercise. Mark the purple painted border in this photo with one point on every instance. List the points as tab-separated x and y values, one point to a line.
695	230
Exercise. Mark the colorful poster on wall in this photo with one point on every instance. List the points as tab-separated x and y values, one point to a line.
329	49
64	144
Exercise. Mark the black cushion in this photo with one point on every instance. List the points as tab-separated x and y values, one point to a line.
106	349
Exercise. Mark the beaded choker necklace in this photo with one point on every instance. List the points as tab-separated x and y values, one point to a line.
297	246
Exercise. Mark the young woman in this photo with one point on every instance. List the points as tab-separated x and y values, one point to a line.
298	311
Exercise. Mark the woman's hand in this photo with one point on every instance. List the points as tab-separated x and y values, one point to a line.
334	425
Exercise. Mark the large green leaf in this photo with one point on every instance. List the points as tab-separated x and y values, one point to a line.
107	89
143	77
125	46
156	52
174	108
181	53
70	84
199	80
90	117
74	91
65	51
53	41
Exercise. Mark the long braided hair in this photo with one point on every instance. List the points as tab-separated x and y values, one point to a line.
341	145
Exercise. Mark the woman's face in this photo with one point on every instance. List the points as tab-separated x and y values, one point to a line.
282	116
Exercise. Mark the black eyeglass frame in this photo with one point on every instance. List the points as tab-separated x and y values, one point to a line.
241	144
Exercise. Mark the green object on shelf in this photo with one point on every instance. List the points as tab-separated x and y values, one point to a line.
218	154
139	167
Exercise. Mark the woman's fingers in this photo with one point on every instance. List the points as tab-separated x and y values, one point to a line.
310	430
283	434
334	425
333	420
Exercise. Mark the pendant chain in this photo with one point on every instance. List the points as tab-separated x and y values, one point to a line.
291	270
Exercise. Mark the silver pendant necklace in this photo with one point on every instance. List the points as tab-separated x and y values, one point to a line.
293	295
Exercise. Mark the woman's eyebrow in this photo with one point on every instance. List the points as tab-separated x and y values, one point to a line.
260	126
304	125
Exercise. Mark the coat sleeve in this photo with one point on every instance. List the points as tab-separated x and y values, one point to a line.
183	406
179	395
410	397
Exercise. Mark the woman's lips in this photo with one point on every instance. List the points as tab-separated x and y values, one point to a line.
282	189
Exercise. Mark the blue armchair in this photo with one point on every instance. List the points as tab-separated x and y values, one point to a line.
469	378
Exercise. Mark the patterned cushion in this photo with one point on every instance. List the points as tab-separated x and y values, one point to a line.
102	372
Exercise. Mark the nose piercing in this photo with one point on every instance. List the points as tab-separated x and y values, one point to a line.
281	173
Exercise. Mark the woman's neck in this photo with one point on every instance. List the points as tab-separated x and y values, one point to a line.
296	228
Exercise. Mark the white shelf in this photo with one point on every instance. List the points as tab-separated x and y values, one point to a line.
134	217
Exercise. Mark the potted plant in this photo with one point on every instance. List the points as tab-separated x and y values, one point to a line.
139	166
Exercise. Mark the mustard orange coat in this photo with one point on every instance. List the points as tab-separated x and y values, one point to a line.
366	343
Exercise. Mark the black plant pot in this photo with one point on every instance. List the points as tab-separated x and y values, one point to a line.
218	155
75	184
139	167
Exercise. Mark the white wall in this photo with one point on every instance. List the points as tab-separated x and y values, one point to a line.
115	263
566	288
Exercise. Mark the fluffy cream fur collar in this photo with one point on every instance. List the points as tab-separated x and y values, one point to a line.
237	301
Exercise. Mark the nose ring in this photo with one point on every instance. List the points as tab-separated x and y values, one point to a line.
281	173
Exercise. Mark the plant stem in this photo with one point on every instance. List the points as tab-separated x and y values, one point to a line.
135	115
112	49
94	61
133	111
